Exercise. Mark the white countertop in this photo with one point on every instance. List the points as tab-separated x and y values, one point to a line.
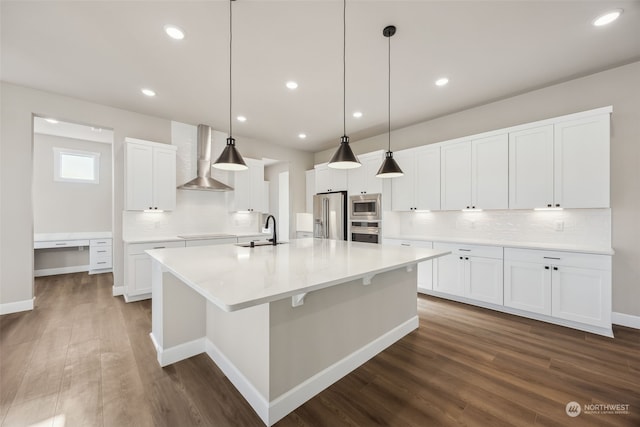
234	277
187	236
563	247
48	237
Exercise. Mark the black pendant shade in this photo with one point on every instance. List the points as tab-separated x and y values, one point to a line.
230	159
389	168
344	158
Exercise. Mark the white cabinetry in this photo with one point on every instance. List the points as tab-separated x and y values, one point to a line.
475	174
248	188
419	187
569	286
100	256
150	175
310	176
471	271
137	269
329	179
363	180
562	165
425	268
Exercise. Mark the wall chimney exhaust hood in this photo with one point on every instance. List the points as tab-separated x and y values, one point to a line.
203	180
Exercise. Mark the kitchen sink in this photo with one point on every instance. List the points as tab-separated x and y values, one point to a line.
255	244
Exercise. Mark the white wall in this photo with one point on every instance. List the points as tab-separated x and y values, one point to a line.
619	87
60	207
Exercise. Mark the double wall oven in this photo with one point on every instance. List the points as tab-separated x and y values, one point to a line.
365	213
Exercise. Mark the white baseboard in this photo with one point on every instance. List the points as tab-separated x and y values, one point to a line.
273	411
60	270
179	352
16	307
134	298
117	290
627	320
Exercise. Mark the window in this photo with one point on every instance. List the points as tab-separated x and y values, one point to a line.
76	166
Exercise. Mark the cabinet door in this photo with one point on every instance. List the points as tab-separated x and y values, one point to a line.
490	172
139	181
248	187
581	295
164	179
323	179
338	179
531	168
456	176
310	176
581	163
484	279
449	275
402	188
370	165
527	286
427	187
138	274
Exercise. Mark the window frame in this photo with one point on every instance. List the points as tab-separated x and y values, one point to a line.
59	152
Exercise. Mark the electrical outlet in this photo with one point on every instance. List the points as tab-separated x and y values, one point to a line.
559	225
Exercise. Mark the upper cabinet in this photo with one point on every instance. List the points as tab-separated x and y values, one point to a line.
419	187
363	180
329	179
150	175
475	174
249	189
564	165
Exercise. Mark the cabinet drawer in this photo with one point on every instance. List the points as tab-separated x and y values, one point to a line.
100	251
100	242
597	262
60	244
101	262
139	248
471	250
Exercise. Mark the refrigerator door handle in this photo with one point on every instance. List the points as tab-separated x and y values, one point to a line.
325	215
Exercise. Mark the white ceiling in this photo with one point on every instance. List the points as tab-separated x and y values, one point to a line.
106	51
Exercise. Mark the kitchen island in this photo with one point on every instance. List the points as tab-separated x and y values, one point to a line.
283	322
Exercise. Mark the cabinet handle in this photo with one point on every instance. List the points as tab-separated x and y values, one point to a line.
460	257
546	267
550	257
473	207
467	207
61	244
465	250
557	205
555	268
102	262
405	244
549	205
467	258
159	247
100	252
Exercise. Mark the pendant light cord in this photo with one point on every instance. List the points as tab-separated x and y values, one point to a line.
344	67
230	61
389	95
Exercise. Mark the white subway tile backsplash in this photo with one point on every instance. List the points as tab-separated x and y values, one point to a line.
586	227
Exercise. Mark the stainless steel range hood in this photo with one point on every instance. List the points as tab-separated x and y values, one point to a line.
203	180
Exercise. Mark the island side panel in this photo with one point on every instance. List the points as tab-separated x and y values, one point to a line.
330	327
238	342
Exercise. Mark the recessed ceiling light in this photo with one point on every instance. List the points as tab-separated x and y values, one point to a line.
292	85
148	92
607	18
50	120
241	118
357	114
302	135
442	81
174	32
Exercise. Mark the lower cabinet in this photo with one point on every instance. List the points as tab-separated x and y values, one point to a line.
425	268
137	268
570	286
470	271
100	256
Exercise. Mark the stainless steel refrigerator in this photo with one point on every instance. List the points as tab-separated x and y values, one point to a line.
330	215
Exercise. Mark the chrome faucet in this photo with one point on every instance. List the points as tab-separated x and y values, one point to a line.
274	240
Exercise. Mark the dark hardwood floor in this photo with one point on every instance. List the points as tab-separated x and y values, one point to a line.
84	358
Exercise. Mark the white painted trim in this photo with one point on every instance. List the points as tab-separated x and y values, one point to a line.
179	352
117	290
134	298
101	271
627	320
61	270
257	401
273	411
18	306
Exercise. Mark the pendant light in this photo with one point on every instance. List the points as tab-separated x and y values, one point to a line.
230	159
389	168
344	158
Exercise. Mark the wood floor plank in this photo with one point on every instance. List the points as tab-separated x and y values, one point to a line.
86	356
